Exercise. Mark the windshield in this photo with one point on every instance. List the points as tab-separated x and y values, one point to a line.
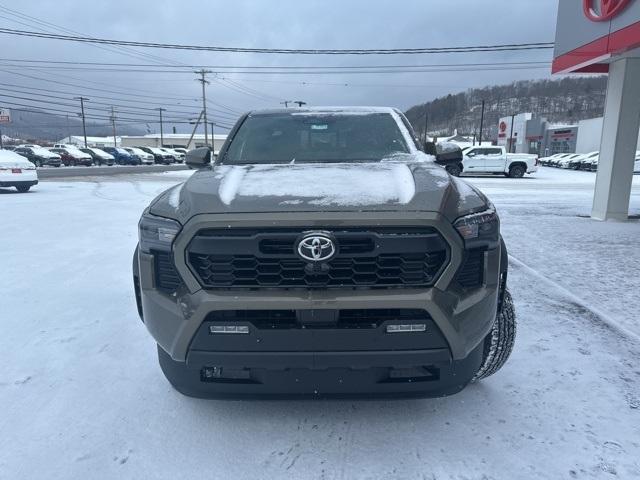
315	137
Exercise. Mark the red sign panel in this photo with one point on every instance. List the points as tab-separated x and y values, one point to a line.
503	126
603	10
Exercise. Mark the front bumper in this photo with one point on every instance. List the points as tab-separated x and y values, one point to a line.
462	316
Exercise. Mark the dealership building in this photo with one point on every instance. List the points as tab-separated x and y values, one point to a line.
524	133
598	36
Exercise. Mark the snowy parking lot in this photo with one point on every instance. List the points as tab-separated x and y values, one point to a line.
82	395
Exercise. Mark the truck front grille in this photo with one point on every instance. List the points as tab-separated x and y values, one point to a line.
369	258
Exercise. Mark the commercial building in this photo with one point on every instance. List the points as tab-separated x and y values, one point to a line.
172	140
91	141
590	135
597	36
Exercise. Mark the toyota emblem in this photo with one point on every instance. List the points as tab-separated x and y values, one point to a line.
316	247
603	10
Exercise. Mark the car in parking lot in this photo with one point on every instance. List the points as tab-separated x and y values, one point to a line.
72	156
177	156
122	157
100	157
159	156
636	164
587	161
566	162
145	157
17	171
172	155
38	155
184	151
554	160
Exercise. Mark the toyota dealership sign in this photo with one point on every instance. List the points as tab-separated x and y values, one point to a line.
590	32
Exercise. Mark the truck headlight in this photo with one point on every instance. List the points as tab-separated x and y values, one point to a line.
157	233
479	229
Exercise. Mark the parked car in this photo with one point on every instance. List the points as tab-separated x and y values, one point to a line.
260	277
636	164
145	157
181	150
172	155
497	160
100	157
17	171
177	156
159	156
122	157
586	160
548	161
72	156
38	155
566	161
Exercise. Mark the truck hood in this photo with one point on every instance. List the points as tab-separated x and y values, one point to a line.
413	184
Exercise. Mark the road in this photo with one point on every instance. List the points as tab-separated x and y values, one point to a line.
64	172
82	395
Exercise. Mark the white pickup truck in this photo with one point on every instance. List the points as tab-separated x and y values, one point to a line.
497	160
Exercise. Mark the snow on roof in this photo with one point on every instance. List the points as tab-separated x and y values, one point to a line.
320	110
9	156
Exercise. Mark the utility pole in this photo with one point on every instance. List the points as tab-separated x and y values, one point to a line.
481	122
113	124
160	109
195	123
300	103
426	123
204	81
84	127
513	115
286	103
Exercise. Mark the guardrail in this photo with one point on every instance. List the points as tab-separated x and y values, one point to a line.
62	172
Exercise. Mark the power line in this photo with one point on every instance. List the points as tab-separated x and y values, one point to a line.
382	51
34	90
133	66
38	22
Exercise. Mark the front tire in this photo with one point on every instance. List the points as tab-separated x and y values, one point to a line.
499	343
517	171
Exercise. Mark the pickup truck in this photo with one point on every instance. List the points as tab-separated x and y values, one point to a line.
495	160
323	253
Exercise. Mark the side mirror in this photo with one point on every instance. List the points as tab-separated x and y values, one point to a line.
430	148
198	157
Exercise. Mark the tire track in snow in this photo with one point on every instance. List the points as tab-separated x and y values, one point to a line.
597	313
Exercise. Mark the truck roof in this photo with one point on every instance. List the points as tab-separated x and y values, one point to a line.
314	110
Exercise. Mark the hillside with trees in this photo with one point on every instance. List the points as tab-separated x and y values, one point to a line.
567	100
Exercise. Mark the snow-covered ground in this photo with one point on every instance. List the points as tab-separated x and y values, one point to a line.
82	396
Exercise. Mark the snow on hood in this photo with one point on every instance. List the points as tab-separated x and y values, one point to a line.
403	186
9	159
370	184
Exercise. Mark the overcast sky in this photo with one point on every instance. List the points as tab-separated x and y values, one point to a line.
276	24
